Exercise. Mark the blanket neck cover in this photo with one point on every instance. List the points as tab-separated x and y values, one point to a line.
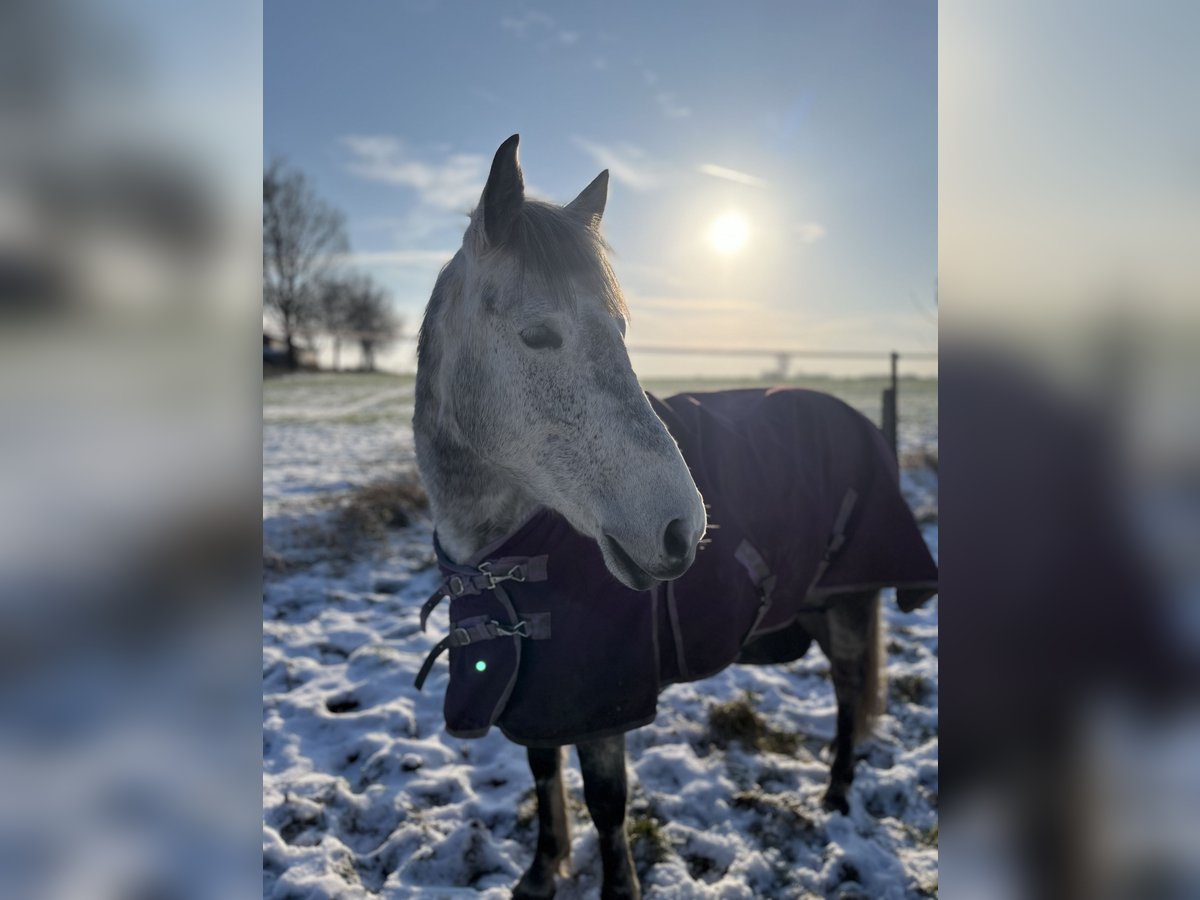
804	494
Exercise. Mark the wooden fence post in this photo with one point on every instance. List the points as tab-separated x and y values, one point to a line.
890	409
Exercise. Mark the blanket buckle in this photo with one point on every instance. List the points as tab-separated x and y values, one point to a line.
516	573
521	629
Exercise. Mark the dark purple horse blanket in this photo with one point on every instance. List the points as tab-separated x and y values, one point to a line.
804	503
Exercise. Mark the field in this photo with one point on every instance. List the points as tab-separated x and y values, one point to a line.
365	795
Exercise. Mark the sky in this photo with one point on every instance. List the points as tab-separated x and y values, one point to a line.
806	130
1070	183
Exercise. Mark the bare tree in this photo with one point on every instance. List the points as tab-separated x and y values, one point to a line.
371	320
302	237
335	298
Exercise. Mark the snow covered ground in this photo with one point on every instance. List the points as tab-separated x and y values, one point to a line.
365	795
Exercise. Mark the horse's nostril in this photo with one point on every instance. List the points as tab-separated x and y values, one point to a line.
675	541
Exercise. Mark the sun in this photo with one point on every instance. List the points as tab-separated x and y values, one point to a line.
728	233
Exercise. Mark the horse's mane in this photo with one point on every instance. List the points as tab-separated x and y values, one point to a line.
556	248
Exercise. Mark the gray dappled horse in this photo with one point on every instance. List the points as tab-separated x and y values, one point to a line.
526	400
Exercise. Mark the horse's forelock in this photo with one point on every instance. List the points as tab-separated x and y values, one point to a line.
555	249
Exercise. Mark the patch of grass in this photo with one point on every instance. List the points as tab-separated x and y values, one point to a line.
577	807
273	561
527	809
738	721
375	507
343	867
306	382
924	458
910	688
647	840
358	521
779	812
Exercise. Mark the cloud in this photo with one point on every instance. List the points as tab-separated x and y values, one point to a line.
731	175
531	19
810	232
453	183
666	100
671	107
534	23
626	163
398	259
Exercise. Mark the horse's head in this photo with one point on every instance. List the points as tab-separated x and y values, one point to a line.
535	378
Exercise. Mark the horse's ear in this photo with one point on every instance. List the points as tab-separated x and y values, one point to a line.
589	205
504	193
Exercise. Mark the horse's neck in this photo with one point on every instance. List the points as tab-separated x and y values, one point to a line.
473	502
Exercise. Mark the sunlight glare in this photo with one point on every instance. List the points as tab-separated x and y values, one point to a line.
729	233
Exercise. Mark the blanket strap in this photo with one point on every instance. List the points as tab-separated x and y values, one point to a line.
764	580
477	629
837	537
758	570
461	581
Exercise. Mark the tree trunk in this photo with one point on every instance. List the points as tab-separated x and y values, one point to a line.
291	343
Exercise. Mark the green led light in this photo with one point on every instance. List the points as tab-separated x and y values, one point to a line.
480	665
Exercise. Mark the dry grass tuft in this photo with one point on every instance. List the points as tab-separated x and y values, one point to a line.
923	458
354	526
374	508
647	841
738	721
781	812
911	688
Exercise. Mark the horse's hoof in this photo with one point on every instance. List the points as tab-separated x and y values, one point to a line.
534	887
835	801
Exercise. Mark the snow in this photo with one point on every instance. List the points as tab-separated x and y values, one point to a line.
365	795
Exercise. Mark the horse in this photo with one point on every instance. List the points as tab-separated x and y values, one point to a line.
531	430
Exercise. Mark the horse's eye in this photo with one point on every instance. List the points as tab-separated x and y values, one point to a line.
541	337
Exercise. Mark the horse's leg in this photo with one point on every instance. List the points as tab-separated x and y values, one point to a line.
848	634
854	661
554	833
606	791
